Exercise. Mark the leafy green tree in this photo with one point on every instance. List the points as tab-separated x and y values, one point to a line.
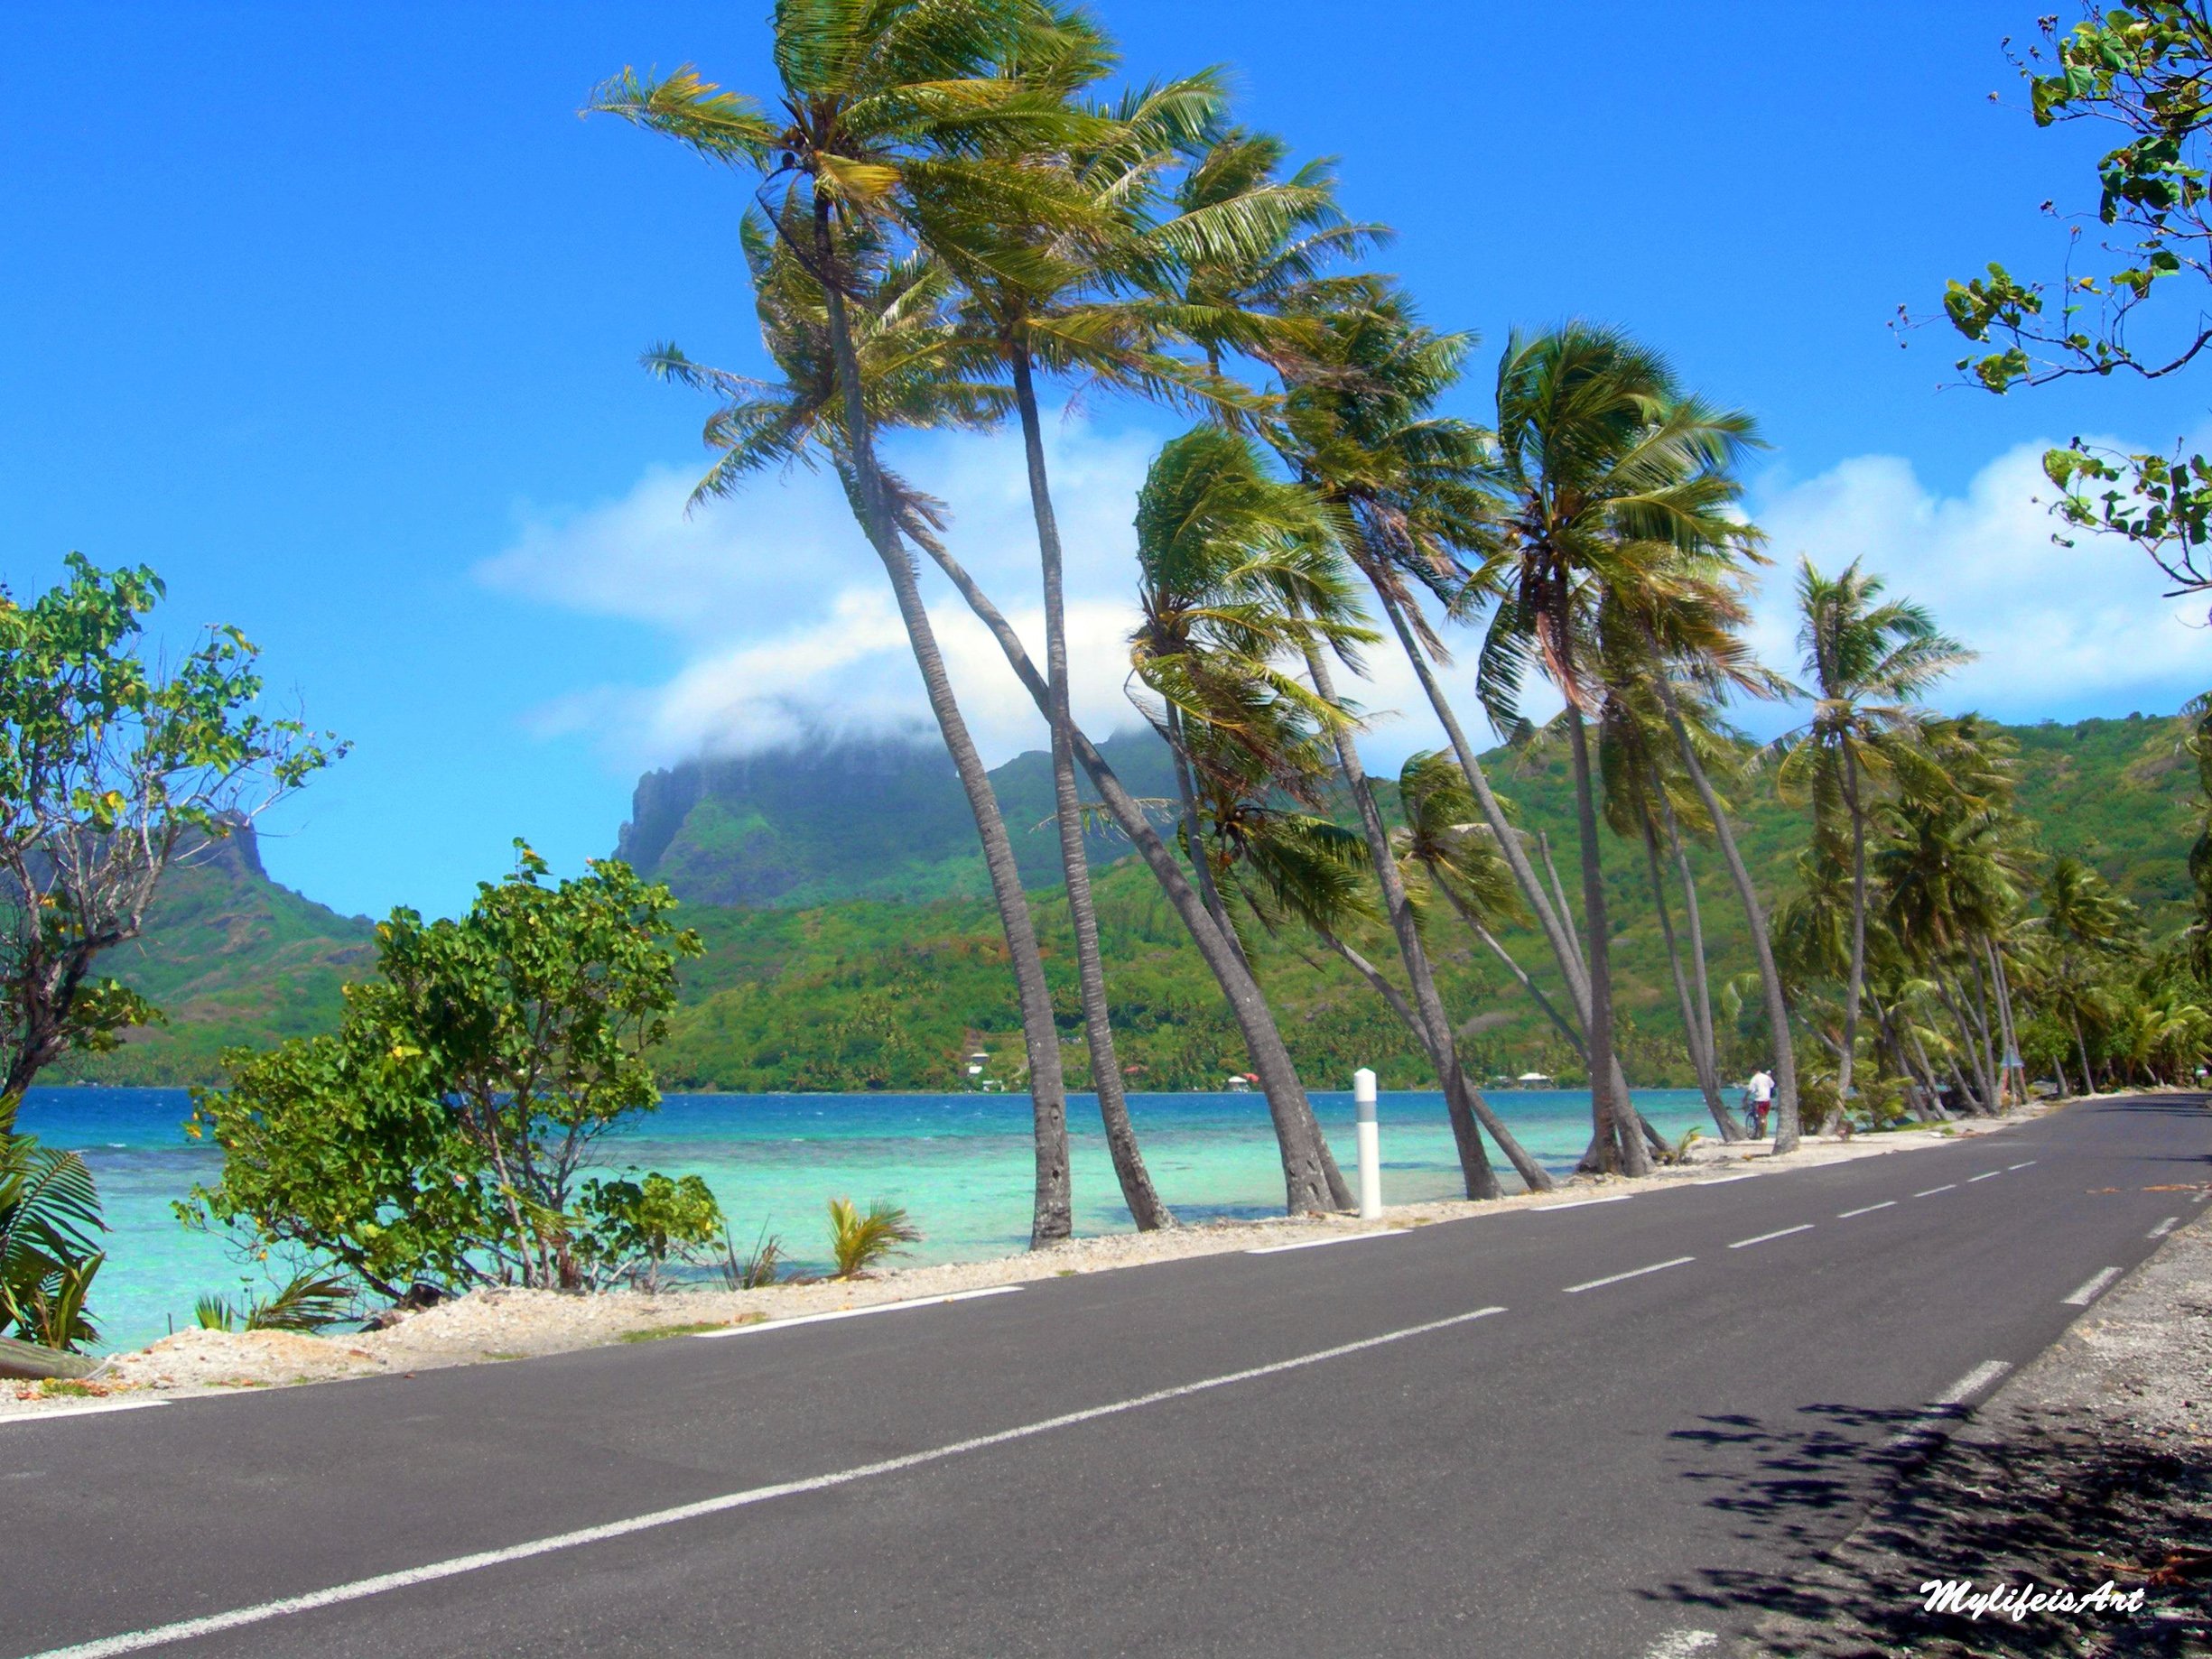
889	111
442	1132
2143	68
114	769
639	1226
1867	662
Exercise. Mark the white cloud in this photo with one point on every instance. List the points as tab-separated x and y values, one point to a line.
2062	632
782	624
786	627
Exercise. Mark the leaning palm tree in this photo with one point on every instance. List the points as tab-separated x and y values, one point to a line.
1236	573
920	368
1408	486
1608	475
887	106
2089	926
1867	662
1635	759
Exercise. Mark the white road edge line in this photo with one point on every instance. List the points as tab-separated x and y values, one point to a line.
1636	1272
1887	1203
2165	1228
157	1636
1580	1203
880	1307
78	1411
1948	1186
1946	1405
1985	1175
1314	1244
1718	1181
2090	1292
1746	1244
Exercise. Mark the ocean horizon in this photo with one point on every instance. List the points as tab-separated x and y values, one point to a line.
960	1163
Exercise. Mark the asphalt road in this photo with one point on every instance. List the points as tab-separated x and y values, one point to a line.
1588	1430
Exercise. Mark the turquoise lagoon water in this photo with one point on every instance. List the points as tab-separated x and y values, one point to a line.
960	1163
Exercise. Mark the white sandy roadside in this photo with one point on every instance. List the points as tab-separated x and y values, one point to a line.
491	1325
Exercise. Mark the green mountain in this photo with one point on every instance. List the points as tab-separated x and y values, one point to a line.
864	952
231	958
853	819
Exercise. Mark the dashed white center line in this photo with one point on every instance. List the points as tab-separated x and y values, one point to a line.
1580	1203
1746	1244
1948	1186
1887	1203
2090	1292
2020	1165
1634	1273
1314	1244
881	1307
183	1630
2165	1228
1985	1175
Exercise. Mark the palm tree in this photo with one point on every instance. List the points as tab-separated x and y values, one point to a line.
1634	746
920	368
1946	874
1868	662
1236	570
2088	925
1607	475
887	108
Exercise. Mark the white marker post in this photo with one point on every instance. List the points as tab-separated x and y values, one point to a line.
1371	1144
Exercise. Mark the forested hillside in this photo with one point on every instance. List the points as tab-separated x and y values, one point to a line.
890	990
232	959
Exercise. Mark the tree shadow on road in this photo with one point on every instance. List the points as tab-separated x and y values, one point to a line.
2025	1497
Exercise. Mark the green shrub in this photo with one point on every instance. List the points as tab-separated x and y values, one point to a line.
857	1242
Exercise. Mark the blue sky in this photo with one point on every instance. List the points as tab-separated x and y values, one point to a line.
332	317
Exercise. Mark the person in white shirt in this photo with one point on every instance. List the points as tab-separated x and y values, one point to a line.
1758	1095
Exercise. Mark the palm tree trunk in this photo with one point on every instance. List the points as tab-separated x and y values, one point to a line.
1708	1084
1050	1219
1138	1192
1982	1095
1428	1003
1558	891
1993	1056
2081	1047
1565	1027
1858	931
1563	949
1534	1176
1928	1072
1194	832
1479	1179
1700	980
1608	1104
1769	980
1311	1179
2017	1062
